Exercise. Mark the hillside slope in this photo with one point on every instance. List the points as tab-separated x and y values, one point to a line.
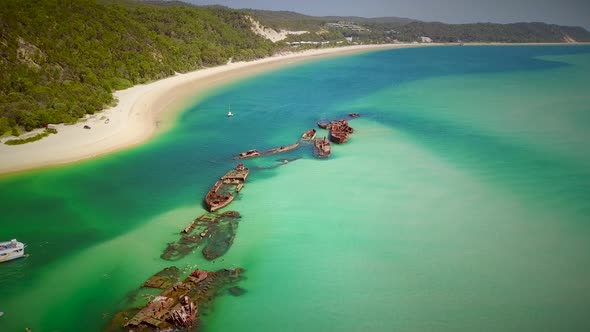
60	60
286	20
491	32
387	29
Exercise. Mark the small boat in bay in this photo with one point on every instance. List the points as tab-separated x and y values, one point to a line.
11	250
222	192
321	148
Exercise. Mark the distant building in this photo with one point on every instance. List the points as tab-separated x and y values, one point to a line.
349	39
297	43
425	39
346	25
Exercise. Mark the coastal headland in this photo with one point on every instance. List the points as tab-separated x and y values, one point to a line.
145	110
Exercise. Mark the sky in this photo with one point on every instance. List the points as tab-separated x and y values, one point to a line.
562	12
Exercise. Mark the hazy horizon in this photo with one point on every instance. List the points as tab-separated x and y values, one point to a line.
565	12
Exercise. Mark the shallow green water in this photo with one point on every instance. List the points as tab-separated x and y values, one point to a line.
461	202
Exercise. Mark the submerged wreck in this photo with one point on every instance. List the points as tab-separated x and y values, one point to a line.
176	308
255	153
279	163
222	192
281	149
163	279
308	135
248	154
214	233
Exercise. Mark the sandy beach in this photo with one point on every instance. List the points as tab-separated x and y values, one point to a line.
145	110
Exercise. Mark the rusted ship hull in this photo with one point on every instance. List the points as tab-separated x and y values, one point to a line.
214	204
309	135
221	195
322	148
176	308
248	154
338	137
339	131
280	149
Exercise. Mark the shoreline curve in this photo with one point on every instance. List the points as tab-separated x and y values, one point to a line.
145	110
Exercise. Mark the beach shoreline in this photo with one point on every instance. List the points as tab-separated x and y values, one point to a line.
145	110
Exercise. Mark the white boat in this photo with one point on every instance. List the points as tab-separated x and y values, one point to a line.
230	114
11	250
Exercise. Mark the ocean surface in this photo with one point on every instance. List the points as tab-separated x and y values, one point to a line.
460	203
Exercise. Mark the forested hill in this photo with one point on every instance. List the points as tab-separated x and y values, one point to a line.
61	59
388	29
295	21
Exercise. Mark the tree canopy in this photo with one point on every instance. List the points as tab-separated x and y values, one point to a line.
62	59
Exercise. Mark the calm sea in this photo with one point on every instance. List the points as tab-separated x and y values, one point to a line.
461	202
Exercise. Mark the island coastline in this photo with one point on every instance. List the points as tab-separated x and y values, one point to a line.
145	110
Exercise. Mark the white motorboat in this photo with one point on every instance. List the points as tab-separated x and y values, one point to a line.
11	250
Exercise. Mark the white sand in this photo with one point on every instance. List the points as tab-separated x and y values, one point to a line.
270	33
142	111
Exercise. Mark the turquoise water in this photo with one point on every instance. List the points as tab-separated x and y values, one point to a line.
459	204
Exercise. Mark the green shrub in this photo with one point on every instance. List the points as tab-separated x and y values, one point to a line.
37	137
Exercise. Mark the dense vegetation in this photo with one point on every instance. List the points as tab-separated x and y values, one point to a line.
480	32
298	22
61	59
388	29
37	137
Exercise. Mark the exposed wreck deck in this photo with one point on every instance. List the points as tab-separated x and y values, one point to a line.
176	307
222	192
